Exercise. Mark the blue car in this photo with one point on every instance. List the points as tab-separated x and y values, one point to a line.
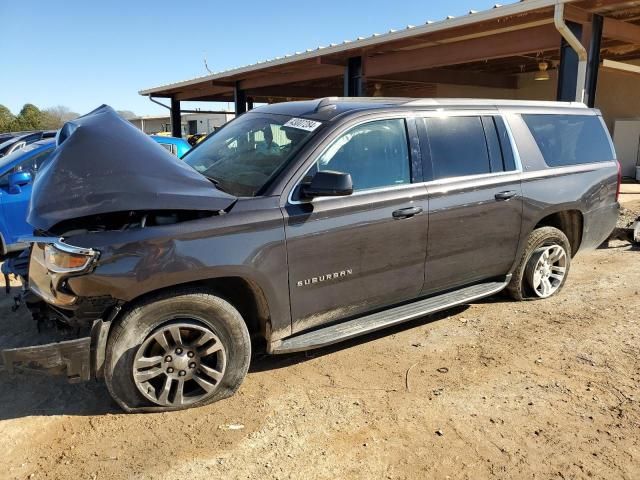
178	146
17	172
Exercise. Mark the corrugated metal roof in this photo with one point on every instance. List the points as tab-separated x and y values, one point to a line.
409	31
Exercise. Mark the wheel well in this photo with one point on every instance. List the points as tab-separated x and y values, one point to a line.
570	222
246	296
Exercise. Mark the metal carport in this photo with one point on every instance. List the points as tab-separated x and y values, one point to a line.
494	53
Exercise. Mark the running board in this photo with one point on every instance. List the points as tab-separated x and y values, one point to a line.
377	321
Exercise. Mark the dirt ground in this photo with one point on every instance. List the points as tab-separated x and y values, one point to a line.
496	389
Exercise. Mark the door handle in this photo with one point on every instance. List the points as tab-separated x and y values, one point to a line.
506	195
407	212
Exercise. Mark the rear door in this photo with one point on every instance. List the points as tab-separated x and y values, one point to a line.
475	201
348	255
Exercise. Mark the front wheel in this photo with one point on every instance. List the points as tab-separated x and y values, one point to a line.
543	267
177	351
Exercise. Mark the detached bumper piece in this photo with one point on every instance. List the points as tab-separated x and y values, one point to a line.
71	358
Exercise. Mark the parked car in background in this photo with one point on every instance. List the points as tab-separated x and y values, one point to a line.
178	146
20	140
299	225
17	172
196	138
6	136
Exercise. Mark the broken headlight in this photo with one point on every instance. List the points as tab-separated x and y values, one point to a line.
62	258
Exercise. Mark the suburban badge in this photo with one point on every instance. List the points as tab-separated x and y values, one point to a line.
325	278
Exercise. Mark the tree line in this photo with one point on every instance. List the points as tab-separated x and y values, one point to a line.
31	117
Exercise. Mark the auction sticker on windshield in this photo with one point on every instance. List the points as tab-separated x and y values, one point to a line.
303	124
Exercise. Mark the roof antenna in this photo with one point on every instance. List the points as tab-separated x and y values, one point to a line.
206	66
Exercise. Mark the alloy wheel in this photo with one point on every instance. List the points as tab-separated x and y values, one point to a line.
179	364
547	269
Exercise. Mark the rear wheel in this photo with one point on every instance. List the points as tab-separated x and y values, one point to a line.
177	351
544	266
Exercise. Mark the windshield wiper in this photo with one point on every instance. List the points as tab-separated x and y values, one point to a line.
216	182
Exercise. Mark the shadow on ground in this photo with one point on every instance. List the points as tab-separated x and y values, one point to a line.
25	394
30	394
263	362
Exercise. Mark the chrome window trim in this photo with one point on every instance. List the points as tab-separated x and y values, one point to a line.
439	182
339	133
478	176
568	169
481	113
407	186
404	186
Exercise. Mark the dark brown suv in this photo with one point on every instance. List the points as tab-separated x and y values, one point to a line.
299	225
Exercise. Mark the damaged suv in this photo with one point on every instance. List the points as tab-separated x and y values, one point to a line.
299	225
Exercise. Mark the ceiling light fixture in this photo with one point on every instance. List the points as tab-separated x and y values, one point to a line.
542	74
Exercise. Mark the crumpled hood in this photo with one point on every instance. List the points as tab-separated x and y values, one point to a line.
103	164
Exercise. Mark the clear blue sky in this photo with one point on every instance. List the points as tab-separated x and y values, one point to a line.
84	53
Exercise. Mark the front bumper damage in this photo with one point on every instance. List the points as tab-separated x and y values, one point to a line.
70	358
79	360
51	303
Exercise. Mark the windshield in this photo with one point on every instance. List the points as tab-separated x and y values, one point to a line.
16	154
244	155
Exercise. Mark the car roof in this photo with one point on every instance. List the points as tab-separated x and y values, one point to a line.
330	107
45	142
19	137
172	140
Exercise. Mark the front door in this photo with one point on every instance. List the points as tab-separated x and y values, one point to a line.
475	202
15	205
349	255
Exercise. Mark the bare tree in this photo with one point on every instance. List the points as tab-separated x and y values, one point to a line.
126	114
55	117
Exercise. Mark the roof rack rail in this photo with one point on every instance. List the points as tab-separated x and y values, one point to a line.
329	101
480	102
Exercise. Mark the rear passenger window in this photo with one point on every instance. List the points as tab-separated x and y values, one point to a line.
570	139
376	154
458	146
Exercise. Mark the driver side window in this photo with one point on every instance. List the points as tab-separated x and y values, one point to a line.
31	165
376	154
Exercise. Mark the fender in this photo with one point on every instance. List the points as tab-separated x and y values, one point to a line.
158	258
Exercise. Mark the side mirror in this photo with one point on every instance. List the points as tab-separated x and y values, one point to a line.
18	180
328	184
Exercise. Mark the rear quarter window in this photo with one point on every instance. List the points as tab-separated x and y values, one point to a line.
570	139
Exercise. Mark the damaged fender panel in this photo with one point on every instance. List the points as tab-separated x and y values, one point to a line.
103	164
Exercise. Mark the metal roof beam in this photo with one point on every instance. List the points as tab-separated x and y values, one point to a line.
622	31
452	77
207	91
296	91
301	75
507	44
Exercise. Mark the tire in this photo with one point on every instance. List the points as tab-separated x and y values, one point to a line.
521	285
203	323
